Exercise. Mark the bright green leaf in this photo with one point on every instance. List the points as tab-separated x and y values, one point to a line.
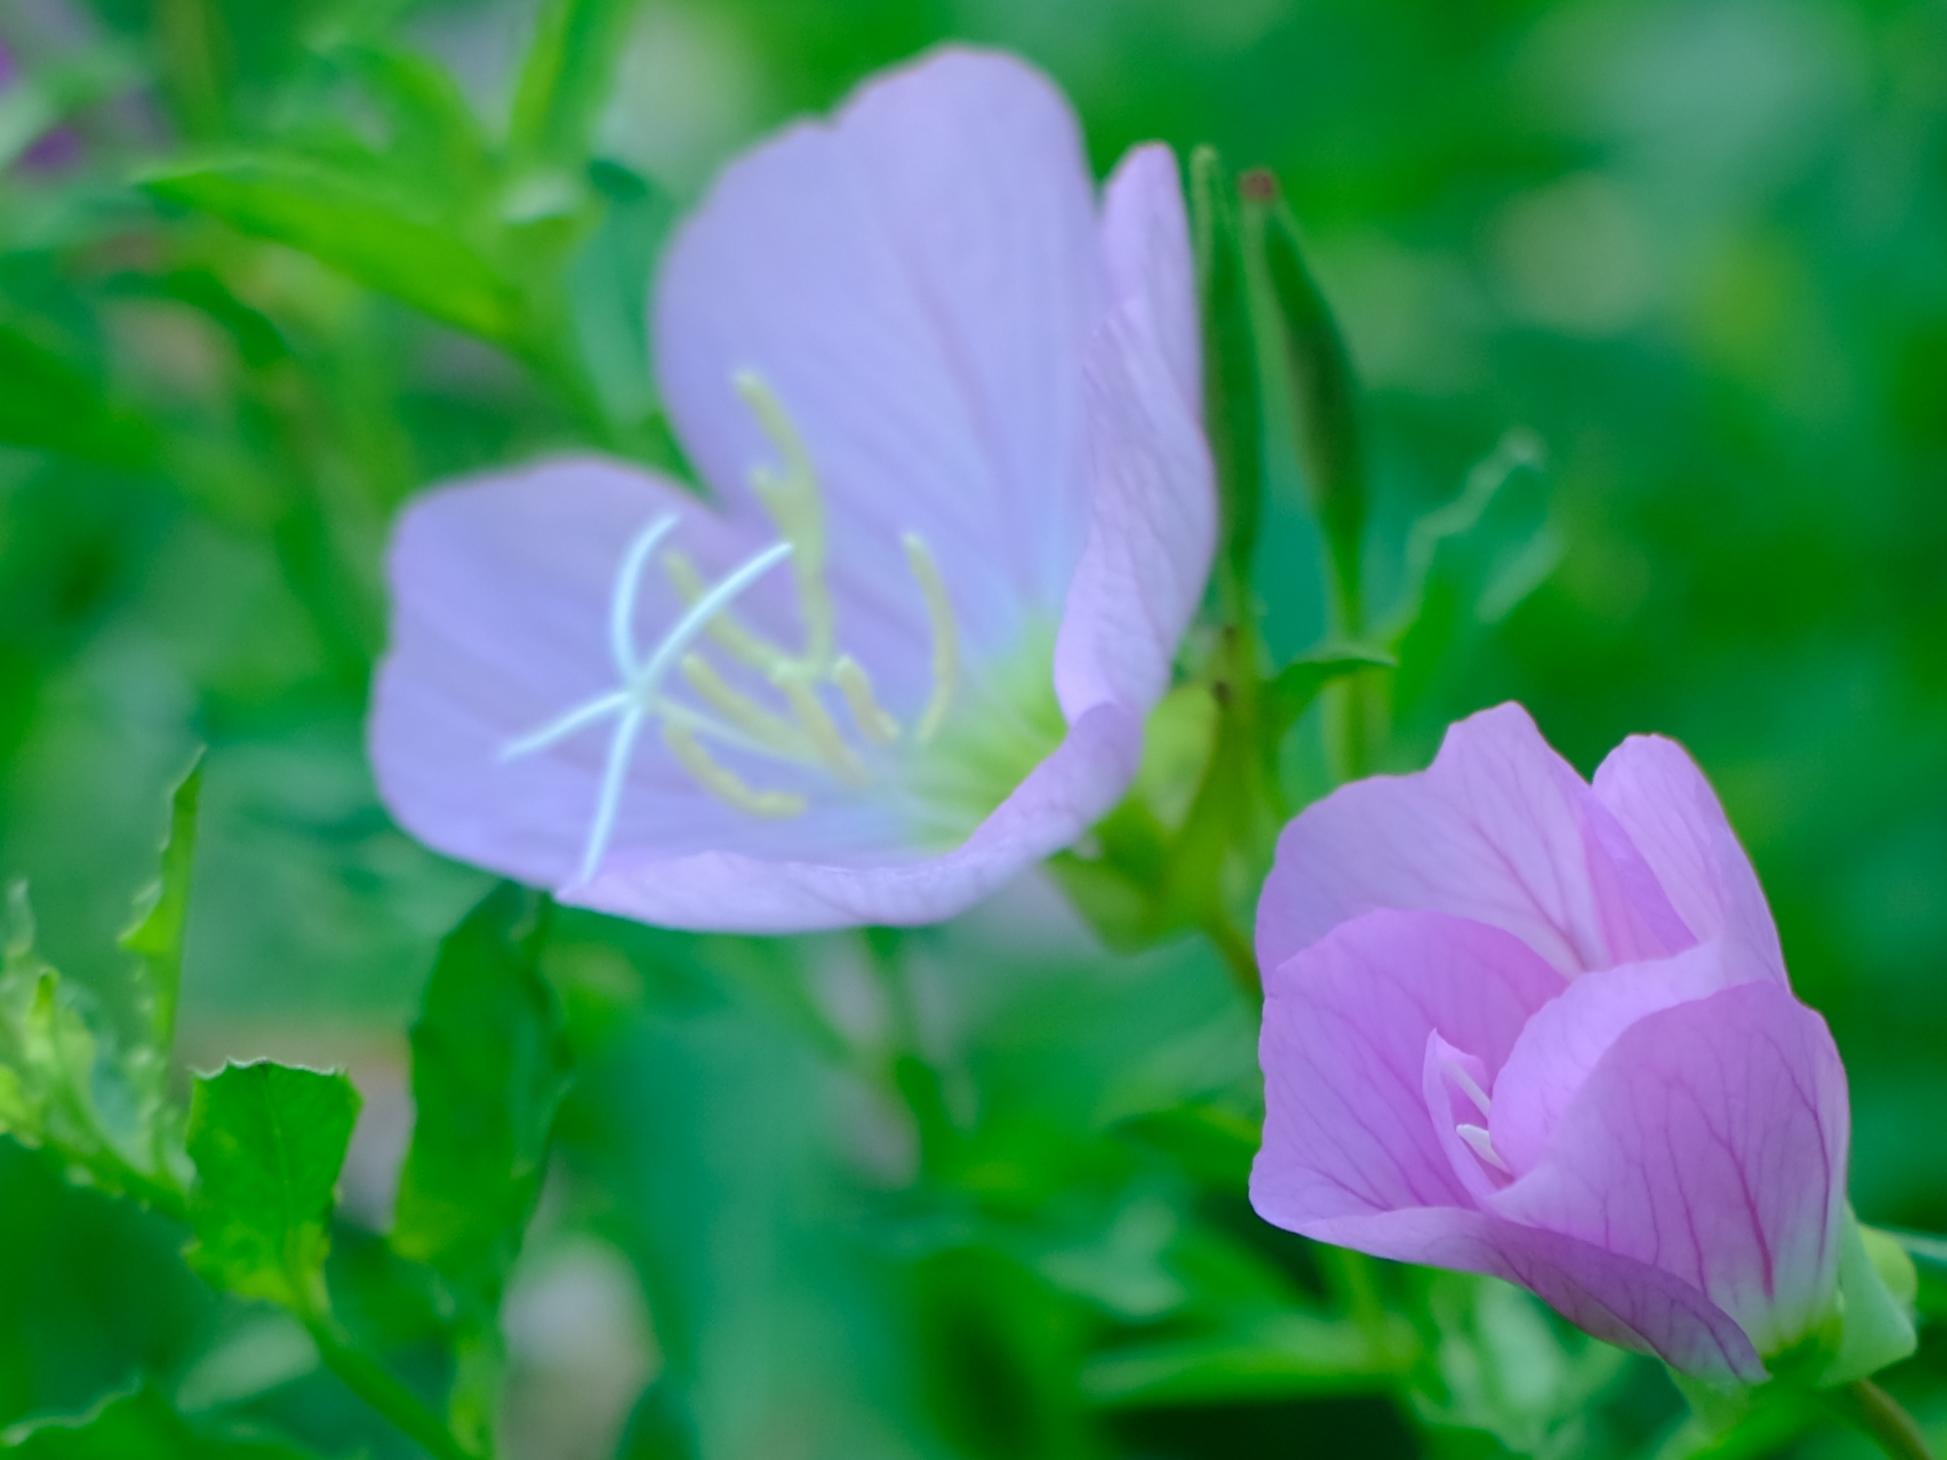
52	404
162	917
267	1141
1295	686
489	1065
349	224
1877	1285
1277	1356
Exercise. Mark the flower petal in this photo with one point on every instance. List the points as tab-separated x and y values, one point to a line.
1618	1299
1346	1022
1566	1040
1710	1142
1653	787
501	590
917	281
731	891
1153	512
1499	829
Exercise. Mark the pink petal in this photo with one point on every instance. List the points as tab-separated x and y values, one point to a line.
1146	246
917	281
1566	1040
1653	787
1710	1142
1347	1129
1499	829
730	890
1618	1299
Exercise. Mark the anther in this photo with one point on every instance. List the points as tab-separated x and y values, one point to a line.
946	635
725	784
790	494
818	725
872	718
773	732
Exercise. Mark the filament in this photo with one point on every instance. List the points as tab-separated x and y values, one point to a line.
946	636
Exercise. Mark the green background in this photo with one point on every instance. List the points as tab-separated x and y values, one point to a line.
1699	249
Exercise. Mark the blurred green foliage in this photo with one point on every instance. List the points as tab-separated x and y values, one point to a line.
306	258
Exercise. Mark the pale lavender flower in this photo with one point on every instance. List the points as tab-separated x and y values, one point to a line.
949	408
1522	1025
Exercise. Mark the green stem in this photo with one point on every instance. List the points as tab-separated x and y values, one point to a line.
381	1392
1880	1415
912	1076
1234	947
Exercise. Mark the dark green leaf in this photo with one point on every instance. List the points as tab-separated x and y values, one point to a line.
1279	1356
1233	402
348	224
489	1066
139	1425
267	1141
51	404
1293	689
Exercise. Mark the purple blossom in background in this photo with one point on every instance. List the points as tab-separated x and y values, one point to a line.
56	148
1521	1025
949	408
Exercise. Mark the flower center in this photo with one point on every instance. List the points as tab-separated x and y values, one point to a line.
792	719
1476	1136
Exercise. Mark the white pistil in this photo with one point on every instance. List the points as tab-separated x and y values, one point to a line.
790	494
628	585
1482	1145
1469	1086
640	694
946	634
739	642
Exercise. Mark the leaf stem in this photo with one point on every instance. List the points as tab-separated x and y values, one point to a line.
1880	1415
381	1392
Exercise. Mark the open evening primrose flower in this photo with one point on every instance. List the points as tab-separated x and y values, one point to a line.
964	512
1522	1025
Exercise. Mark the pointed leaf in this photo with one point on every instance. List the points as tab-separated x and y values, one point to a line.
347	224
268	1142
565	79
156	936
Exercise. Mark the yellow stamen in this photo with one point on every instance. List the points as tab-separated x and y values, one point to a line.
946	634
740	642
818	725
874	723
725	784
772	731
790	494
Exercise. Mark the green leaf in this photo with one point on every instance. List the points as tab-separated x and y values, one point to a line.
139	1425
1470	563
51	404
565	79
348	224
1877	1286
489	1065
1315	368
268	1141
1295	686
1233	401
1276	1356
162	917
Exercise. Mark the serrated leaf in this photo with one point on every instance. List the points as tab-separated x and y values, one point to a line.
162	917
348	224
267	1142
489	1065
139	1425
